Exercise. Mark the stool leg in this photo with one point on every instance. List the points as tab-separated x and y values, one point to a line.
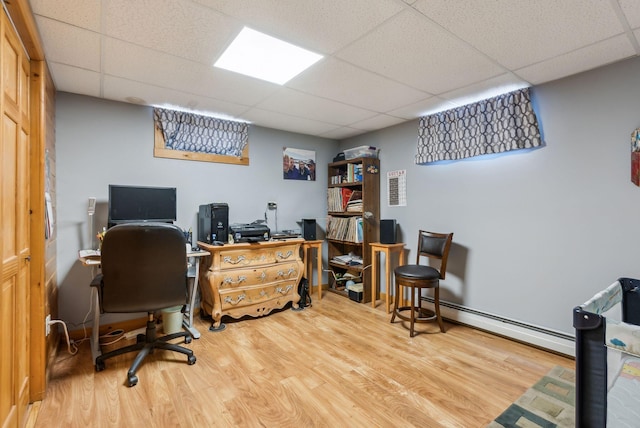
395	301
413	311
436	306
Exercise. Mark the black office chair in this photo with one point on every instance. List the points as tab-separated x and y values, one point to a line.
144	269
418	277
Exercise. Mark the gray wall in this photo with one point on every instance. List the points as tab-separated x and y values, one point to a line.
535	232
102	142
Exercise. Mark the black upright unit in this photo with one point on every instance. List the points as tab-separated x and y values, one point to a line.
388	230
213	223
309	229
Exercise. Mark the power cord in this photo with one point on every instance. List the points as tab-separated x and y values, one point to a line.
71	346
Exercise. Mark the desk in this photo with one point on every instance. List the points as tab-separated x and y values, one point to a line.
193	292
94	263
388	250
94	339
307	250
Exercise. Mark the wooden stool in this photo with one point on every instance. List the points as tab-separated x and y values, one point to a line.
388	250
307	248
418	277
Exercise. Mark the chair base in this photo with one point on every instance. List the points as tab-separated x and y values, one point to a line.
420	315
417	314
145	345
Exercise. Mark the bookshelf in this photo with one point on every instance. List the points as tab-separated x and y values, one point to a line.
353	222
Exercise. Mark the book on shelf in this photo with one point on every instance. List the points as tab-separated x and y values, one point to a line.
346	197
345	229
348	259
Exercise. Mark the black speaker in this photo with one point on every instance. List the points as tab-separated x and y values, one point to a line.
388	231
213	223
309	229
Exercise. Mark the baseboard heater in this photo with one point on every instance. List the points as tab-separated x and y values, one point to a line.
552	340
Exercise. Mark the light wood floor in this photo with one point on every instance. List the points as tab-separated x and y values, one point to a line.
337	364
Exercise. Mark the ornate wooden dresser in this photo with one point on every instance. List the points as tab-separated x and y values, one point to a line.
250	278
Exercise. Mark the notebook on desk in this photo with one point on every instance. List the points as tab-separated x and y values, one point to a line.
89	254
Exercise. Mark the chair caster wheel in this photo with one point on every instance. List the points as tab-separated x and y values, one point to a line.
99	366
192	360
133	380
188	339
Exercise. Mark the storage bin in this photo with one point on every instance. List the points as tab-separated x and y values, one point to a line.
356	296
172	319
361	152
355	291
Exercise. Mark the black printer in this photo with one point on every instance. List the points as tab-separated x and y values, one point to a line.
253	232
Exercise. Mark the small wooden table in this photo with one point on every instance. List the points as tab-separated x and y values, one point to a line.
307	248
388	250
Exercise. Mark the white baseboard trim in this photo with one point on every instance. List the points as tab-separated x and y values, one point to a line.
559	342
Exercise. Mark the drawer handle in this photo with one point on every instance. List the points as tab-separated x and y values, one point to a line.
284	256
239	259
229	280
288	274
285	291
240	298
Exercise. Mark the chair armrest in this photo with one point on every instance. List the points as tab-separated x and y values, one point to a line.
96	281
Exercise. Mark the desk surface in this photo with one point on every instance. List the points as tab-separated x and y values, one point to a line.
93	257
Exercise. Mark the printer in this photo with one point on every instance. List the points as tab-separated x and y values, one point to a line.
253	232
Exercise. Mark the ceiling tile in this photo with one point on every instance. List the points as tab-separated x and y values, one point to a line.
574	62
340	81
79	13
341	133
385	60
322	26
377	122
631	9
421	55
489	88
423	108
320	109
75	80
181	28
519	32
287	122
144	65
121	89
68	44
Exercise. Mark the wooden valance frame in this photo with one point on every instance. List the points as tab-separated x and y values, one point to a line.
160	150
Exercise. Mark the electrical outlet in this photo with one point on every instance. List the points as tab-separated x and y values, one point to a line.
47	325
272	205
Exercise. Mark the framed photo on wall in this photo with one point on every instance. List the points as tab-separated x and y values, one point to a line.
298	164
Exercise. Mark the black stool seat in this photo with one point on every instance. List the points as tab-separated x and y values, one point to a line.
417	277
417	272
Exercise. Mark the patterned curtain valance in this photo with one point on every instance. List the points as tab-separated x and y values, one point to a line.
496	125
201	134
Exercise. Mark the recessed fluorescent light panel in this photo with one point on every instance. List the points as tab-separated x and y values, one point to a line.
264	57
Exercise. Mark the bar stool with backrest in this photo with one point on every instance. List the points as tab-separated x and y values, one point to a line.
433	246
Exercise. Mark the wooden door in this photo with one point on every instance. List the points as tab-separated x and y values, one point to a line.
14	228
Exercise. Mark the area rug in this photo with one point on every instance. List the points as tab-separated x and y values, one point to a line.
547	404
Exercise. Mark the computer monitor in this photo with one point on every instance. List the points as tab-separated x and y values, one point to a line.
136	203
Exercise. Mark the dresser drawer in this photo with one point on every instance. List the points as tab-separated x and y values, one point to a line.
231	259
233	299
262	275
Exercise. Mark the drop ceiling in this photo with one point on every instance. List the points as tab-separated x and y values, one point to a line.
385	61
